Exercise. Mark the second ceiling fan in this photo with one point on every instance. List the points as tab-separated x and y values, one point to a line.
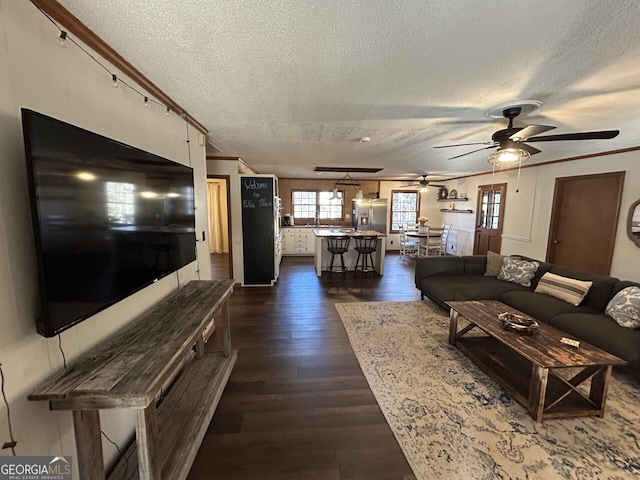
515	137
423	184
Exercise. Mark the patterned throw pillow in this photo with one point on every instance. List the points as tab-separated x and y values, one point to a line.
494	264
518	271
567	289
624	307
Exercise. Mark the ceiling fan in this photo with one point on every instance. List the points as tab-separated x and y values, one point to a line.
514	138
422	184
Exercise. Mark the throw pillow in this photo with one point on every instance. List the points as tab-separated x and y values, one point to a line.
565	288
624	307
518	271
494	264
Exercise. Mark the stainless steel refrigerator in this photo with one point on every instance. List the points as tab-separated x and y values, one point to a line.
370	214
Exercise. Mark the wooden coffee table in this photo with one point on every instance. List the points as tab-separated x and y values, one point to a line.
528	367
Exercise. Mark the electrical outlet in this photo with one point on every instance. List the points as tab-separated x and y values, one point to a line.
391	242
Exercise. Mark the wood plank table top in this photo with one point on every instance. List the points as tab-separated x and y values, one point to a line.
128	369
410	233
543	348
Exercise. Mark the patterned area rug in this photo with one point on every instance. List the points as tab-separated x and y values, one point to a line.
453	422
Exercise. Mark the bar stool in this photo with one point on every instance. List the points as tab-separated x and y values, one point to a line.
365	246
338	246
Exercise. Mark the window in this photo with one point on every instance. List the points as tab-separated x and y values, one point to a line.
404	208
120	202
312	204
490	209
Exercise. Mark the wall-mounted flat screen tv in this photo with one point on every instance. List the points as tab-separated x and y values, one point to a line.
108	219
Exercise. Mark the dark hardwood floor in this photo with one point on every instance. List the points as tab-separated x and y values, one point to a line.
297	405
219	266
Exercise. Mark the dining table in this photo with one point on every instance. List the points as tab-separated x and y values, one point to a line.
422	237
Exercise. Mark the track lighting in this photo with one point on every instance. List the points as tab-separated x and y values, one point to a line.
62	39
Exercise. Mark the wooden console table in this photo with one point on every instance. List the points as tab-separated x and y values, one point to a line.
129	370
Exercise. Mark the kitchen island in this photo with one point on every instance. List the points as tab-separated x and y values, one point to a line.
322	257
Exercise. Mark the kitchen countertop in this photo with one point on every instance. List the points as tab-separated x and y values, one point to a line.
338	232
315	227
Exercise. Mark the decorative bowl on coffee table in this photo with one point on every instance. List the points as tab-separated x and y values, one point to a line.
518	323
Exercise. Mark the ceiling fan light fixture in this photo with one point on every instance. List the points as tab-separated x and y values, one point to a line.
508	157
424	188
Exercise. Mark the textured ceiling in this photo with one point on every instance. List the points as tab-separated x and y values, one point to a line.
290	84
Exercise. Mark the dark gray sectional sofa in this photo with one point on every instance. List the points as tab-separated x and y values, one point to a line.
462	278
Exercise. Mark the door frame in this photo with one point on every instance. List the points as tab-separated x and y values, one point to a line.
503	196
555	210
227	179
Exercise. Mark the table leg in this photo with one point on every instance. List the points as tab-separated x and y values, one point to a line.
147	442
537	391
453	325
86	424
599	388
226	330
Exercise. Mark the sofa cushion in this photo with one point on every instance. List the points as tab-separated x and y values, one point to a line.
466	287
624	307
541	307
475	264
622	284
568	289
600	292
439	265
543	267
602	331
494	264
518	271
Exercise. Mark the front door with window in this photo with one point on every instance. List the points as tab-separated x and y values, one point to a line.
489	217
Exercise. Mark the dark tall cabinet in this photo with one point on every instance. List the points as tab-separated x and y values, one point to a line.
261	239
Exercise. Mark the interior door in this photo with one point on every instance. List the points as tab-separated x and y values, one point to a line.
584	219
489	217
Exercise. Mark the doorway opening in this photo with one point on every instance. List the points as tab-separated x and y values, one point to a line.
218	199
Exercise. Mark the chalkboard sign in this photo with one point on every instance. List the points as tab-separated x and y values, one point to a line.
258	224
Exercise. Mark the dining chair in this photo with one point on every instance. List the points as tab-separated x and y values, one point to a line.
408	247
433	242
445	237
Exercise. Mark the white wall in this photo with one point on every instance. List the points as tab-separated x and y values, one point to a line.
230	168
35	72
529	202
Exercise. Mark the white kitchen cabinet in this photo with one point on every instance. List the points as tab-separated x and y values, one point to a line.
298	241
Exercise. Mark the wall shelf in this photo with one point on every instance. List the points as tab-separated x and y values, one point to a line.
453	199
455	210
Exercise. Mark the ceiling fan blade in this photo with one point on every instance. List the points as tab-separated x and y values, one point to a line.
600	135
465	144
473	151
411	185
528	148
530	131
